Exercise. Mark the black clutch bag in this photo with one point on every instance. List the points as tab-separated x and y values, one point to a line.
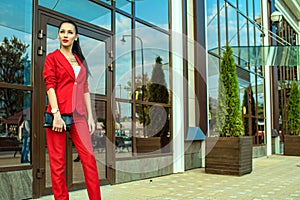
48	120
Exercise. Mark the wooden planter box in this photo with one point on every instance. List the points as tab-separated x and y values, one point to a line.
292	145
148	145
229	155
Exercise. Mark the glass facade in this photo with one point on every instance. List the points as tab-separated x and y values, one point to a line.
97	15
286	71
232	24
15	82
140	55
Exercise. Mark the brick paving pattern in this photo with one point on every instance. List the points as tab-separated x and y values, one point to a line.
272	178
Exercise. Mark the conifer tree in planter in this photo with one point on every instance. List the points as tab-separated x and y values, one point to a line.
292	139
231	152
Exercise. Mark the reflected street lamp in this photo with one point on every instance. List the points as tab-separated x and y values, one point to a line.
276	17
142	56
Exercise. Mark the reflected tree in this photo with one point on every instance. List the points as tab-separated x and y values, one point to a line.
140	94
153	117
249	111
14	61
158	124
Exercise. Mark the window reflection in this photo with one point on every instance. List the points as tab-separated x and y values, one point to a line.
243	34
16	70
15	127
212	24
123	129
243	5
152	129
233	29
153	11
95	54
222	24
15	36
123	62
106	1
83	10
124	5
252	35
148	52
99	138
213	75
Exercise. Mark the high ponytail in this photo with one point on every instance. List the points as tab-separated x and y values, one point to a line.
76	49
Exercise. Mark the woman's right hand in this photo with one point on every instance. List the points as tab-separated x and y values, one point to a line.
58	123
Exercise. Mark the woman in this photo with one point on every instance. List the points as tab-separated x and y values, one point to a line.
65	74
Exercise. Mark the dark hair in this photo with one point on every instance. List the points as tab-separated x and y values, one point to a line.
76	47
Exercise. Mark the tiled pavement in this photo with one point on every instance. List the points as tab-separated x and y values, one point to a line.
273	178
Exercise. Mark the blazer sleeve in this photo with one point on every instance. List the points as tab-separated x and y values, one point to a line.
49	73
86	87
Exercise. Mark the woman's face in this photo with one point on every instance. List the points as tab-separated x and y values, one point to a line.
67	35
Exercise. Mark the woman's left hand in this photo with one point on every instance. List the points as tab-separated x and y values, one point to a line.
91	125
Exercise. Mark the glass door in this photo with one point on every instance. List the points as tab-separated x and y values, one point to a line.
95	47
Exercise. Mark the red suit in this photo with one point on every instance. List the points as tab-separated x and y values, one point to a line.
59	75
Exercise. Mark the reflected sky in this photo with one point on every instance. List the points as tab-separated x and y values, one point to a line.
16	25
233	30
153	11
84	10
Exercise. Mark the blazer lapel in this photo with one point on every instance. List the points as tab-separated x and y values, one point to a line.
64	62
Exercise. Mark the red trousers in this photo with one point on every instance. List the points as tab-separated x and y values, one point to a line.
56	142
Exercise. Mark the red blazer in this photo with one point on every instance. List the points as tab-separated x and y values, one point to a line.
59	75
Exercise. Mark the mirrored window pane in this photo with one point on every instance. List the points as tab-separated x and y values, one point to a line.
15	42
242	5
124	5
152	129
106	1
123	129
257	9
15	127
252	35
152	63
212	24
52	40
83	10
99	138
213	77
123	62
222	24
257	14
243	33
95	54
153	11
233	29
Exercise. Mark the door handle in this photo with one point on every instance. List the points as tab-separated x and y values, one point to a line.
110	67
41	34
40	173
40	51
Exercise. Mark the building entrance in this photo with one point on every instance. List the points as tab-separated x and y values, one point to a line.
96	48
